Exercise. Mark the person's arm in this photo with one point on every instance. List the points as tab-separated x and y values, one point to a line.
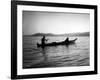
46	39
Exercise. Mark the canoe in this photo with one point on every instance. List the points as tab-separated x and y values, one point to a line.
57	43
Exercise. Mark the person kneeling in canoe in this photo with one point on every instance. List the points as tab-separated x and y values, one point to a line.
67	39
43	40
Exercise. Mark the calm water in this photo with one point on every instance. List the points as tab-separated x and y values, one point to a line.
55	56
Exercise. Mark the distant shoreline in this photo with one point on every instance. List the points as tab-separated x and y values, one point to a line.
66	35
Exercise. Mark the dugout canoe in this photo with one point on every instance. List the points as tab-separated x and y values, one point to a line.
57	43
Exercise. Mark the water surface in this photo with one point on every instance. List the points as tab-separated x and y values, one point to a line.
55	56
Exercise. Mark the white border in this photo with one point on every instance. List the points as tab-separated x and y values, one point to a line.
21	71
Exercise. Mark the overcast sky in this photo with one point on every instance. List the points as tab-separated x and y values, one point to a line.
57	23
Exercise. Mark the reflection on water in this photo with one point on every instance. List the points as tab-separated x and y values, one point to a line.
55	56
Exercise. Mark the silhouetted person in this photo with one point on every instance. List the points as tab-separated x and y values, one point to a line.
67	39
43	40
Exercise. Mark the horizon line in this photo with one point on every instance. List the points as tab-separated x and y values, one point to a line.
55	33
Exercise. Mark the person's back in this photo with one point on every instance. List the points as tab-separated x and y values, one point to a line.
67	39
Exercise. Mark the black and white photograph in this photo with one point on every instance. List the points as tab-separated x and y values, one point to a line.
53	39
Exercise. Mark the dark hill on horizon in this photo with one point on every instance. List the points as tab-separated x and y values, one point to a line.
69	34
